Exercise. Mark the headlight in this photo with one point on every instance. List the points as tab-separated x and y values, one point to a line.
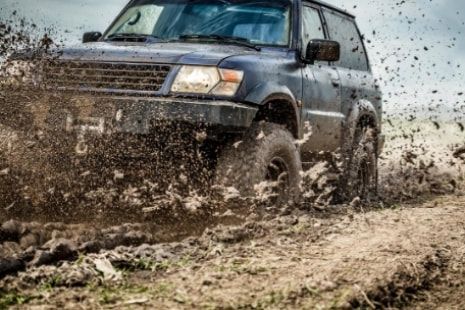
207	80
19	73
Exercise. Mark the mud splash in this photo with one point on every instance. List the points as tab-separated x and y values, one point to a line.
421	160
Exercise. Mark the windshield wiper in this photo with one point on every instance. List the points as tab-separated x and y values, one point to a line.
220	38
130	37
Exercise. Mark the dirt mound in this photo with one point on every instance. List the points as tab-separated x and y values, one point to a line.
32	244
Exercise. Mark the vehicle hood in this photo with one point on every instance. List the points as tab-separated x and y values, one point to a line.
169	53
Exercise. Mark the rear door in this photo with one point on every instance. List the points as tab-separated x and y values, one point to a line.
357	81
321	91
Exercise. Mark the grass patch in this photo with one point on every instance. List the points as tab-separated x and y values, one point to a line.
114	294
8	299
242	267
151	265
110	294
164	289
51	283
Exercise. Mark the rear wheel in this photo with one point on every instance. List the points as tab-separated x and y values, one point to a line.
361	175
267	154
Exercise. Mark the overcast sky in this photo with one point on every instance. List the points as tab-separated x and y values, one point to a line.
417	47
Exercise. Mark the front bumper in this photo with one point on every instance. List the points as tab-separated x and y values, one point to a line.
141	115
106	115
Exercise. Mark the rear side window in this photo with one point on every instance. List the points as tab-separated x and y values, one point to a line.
312	27
344	31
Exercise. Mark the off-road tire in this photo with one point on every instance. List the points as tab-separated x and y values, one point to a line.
360	177
245	163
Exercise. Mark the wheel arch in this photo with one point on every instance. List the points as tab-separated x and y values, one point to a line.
280	110
277	104
362	114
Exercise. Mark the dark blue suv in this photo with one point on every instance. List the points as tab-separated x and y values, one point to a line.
274	84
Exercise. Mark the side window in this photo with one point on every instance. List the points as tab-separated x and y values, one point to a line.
312	27
344	31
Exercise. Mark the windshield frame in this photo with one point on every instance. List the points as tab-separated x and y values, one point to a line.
291	39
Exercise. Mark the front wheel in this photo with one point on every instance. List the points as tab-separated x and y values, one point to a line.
267	154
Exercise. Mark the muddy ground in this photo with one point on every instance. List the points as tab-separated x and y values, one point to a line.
403	250
404	256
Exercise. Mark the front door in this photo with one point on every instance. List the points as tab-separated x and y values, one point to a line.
321	96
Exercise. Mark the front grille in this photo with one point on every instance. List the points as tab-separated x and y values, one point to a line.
123	78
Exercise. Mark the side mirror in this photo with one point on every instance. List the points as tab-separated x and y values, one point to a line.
91	37
322	50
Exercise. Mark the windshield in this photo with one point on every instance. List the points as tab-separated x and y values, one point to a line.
258	22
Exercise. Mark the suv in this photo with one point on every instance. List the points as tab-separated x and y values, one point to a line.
273	84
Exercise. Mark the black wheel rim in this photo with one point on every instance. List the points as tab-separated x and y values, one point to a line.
278	173
362	174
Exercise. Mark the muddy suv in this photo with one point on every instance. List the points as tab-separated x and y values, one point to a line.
271	84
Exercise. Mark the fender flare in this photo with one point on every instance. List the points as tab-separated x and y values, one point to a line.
267	92
362	108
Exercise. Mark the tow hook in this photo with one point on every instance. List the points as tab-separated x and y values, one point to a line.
81	148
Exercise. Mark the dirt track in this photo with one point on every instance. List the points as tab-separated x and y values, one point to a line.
403	256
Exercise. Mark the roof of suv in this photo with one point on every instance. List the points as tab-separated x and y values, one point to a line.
330	6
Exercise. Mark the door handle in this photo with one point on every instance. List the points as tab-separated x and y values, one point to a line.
336	82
